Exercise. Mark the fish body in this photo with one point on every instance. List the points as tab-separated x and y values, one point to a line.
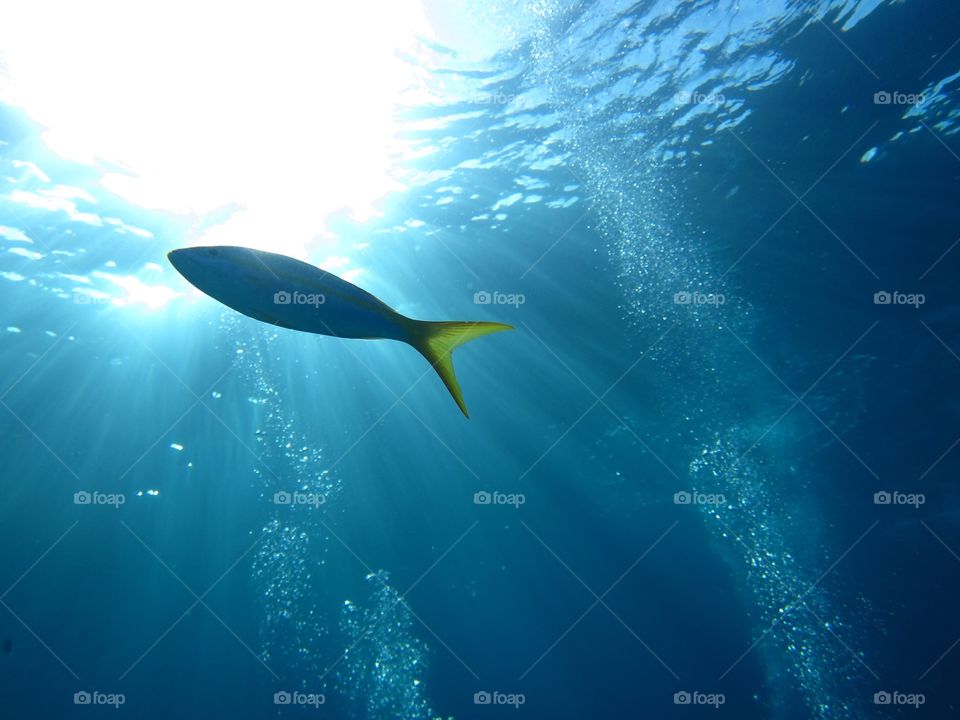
292	294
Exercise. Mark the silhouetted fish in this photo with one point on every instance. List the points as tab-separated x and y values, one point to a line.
279	290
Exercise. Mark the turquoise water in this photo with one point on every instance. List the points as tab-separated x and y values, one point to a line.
711	471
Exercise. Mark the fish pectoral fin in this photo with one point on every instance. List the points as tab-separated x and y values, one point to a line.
436	341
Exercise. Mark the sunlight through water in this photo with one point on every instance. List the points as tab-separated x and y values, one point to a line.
274	116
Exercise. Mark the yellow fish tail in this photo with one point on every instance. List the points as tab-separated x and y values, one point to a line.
436	341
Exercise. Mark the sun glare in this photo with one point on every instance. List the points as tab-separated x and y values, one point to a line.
282	112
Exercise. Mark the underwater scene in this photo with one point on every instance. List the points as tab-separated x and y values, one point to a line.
523	359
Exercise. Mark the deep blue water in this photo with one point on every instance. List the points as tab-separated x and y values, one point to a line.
699	204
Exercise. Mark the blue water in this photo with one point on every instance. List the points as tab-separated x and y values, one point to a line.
694	215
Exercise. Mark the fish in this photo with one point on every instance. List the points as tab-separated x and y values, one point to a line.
7	646
292	294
